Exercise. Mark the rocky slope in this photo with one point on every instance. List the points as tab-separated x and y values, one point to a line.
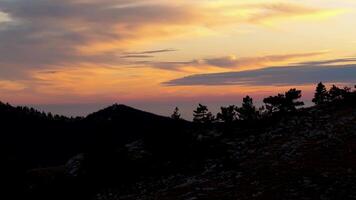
310	155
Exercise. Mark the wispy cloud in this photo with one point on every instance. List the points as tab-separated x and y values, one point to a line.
136	56
46	33
267	13
87	50
279	76
145	54
49	33
330	62
166	65
7	85
229	62
234	62
151	51
4	17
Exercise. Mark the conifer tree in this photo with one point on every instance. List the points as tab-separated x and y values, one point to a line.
228	114
284	102
248	110
202	115
176	115
321	95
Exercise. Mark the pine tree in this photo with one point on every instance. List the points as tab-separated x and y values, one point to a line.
336	93
321	95
202	115
274	103
248	110
291	102
284	102
176	115
228	114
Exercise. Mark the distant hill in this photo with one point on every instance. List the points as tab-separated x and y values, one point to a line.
31	139
55	138
123	113
125	124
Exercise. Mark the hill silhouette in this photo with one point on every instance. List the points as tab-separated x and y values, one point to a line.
51	137
120	112
126	124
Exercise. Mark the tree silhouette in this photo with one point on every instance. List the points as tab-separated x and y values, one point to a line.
291	102
274	103
228	114
284	102
321	95
202	115
336	93
248	110
176	115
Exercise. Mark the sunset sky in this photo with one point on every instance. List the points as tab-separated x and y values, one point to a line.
74	56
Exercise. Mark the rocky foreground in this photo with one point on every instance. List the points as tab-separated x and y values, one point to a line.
309	155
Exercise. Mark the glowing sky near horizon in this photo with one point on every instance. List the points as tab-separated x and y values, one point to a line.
129	51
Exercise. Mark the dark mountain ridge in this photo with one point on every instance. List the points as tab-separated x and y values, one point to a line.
30	130
31	139
124	113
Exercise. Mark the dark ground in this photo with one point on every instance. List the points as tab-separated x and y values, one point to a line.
123	153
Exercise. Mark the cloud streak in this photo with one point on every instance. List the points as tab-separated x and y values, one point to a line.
330	62
151	52
269	12
233	62
145	54
45	33
229	62
10	86
278	76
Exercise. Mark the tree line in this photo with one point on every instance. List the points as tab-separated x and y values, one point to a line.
27	113
280	104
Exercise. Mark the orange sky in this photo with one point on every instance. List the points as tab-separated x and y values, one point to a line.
91	51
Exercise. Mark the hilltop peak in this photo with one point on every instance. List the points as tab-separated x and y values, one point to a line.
123	112
119	108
